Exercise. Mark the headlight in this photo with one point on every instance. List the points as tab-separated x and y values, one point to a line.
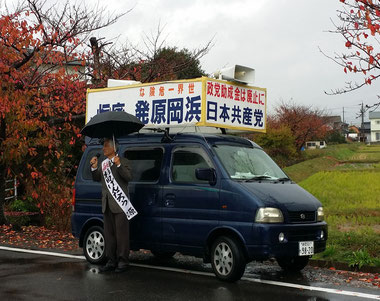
320	214
269	215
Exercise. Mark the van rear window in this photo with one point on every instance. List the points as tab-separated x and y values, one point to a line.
86	173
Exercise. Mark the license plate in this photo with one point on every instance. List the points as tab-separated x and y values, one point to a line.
305	248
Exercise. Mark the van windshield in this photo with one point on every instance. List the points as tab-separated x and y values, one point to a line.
246	163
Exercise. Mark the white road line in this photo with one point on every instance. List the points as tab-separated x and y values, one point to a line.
314	288
42	253
269	282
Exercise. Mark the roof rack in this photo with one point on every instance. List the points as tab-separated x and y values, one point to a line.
191	129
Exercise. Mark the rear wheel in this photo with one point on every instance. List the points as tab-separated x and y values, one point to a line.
227	259
94	245
293	264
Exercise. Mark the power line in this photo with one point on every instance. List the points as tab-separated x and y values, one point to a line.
340	108
375	106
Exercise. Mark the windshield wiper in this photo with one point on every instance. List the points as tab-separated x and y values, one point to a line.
283	179
258	178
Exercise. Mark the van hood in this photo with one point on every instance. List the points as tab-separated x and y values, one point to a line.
288	195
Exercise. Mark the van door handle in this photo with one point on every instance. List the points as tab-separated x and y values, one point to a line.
169	200
153	200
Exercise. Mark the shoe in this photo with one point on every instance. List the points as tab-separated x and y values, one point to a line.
107	268
121	267
121	270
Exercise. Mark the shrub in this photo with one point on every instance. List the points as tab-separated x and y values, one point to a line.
360	258
18	221
279	144
53	201
335	137
26	205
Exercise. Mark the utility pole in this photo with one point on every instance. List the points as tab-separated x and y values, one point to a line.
343	128
361	114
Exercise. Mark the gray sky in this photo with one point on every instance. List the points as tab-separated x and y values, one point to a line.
279	39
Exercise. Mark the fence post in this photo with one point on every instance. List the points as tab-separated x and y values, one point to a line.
14	188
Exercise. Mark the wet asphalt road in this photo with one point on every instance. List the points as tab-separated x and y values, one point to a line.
40	277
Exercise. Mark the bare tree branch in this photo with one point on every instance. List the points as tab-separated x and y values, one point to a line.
360	28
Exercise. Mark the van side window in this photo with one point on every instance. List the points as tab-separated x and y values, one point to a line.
86	168
145	163
185	160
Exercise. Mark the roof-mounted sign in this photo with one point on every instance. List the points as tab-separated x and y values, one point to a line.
200	102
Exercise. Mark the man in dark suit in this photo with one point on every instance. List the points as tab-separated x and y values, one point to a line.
116	224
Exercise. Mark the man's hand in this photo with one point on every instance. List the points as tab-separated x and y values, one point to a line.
94	162
116	160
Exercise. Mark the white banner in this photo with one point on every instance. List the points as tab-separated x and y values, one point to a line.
195	102
117	193
156	105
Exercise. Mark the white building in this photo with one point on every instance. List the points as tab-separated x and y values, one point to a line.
315	144
374	118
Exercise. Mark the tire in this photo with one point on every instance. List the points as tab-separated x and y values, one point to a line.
293	264
227	259
163	255
94	245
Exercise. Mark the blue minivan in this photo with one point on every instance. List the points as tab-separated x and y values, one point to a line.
219	197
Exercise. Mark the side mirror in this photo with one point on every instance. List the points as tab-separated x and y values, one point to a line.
206	174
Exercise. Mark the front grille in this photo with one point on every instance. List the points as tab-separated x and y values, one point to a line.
302	216
303	234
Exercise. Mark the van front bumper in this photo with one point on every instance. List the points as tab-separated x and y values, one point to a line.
267	244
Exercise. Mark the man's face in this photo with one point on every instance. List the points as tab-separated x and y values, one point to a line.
108	149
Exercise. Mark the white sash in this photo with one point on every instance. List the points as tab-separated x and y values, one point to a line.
116	191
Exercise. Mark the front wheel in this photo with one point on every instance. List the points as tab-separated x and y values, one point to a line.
94	245
293	264
227	259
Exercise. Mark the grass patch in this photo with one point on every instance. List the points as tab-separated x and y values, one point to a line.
351	200
346	179
348	166
341	246
345	190
370	154
338	151
342	156
305	169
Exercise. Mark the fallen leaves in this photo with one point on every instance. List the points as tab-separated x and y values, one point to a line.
361	277
32	237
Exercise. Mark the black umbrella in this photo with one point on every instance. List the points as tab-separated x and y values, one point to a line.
114	123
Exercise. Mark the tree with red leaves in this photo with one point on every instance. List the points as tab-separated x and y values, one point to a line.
41	54
45	68
360	28
305	123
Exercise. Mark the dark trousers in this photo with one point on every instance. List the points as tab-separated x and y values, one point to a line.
116	232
